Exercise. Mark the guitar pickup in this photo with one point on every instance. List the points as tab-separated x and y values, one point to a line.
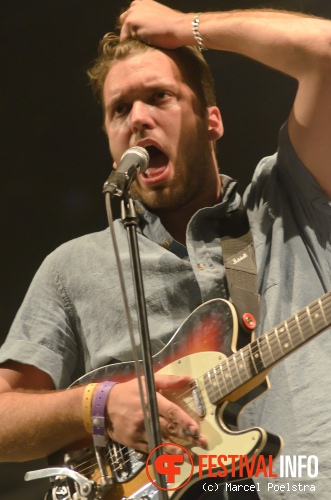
197	398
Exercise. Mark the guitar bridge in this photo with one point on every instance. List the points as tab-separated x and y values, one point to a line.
84	486
125	462
197	398
119	461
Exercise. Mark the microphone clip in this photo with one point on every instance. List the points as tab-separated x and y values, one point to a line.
134	159
118	182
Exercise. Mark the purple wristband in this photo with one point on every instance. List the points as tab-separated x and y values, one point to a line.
98	412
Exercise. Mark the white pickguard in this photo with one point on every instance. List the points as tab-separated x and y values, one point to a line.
221	441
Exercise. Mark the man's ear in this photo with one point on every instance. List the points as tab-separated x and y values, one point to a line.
215	124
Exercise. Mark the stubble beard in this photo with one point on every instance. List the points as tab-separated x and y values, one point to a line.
184	188
172	197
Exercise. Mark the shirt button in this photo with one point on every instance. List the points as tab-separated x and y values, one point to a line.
166	244
139	210
201	267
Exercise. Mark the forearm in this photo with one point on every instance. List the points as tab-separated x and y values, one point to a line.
33	425
299	46
289	42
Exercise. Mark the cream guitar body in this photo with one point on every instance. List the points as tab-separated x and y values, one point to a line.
225	379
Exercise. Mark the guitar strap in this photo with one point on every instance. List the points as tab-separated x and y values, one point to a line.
240	267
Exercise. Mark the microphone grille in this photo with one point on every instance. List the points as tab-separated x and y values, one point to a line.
143	156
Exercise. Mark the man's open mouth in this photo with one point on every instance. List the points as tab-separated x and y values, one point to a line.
157	164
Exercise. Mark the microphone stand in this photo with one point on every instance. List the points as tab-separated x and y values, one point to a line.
152	423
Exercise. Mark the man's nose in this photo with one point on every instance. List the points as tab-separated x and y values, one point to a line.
141	116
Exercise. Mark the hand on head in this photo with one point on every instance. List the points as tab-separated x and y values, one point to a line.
156	24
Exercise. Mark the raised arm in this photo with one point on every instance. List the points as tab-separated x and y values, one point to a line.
295	44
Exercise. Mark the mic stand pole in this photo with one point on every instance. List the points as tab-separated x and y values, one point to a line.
130	221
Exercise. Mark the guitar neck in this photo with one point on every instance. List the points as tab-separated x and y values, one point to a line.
268	350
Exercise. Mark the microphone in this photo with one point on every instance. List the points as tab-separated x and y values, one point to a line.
133	159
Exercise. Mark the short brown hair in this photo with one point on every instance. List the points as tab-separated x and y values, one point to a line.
192	63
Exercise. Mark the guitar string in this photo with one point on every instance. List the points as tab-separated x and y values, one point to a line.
282	328
273	338
267	353
191	410
270	351
305	322
275	341
304	318
88	465
86	468
98	477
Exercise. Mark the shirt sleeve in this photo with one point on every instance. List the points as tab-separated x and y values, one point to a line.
286	171
44	332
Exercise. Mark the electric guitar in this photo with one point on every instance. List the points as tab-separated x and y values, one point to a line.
225	379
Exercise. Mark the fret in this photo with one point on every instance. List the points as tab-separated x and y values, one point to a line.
240	366
268	349
229	374
299	328
232	371
310	319
271	353
264	351
223	376
244	365
256	357
222	379
251	365
295	332
283	341
210	384
317	316
303	324
322	310
219	384
326	307
277	346
250	368
288	337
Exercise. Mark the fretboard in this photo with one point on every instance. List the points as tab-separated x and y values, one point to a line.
268	350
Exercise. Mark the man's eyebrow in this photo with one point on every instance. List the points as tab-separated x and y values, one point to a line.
120	96
114	101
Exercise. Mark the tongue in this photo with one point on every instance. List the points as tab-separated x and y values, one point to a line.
154	171
158	163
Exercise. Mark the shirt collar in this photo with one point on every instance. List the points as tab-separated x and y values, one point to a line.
151	226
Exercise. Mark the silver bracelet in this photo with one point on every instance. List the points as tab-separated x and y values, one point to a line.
196	32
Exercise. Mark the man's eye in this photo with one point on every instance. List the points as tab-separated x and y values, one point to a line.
121	109
161	94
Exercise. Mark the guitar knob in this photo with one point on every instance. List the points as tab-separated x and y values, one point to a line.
249	321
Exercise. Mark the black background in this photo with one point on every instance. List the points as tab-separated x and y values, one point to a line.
54	155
